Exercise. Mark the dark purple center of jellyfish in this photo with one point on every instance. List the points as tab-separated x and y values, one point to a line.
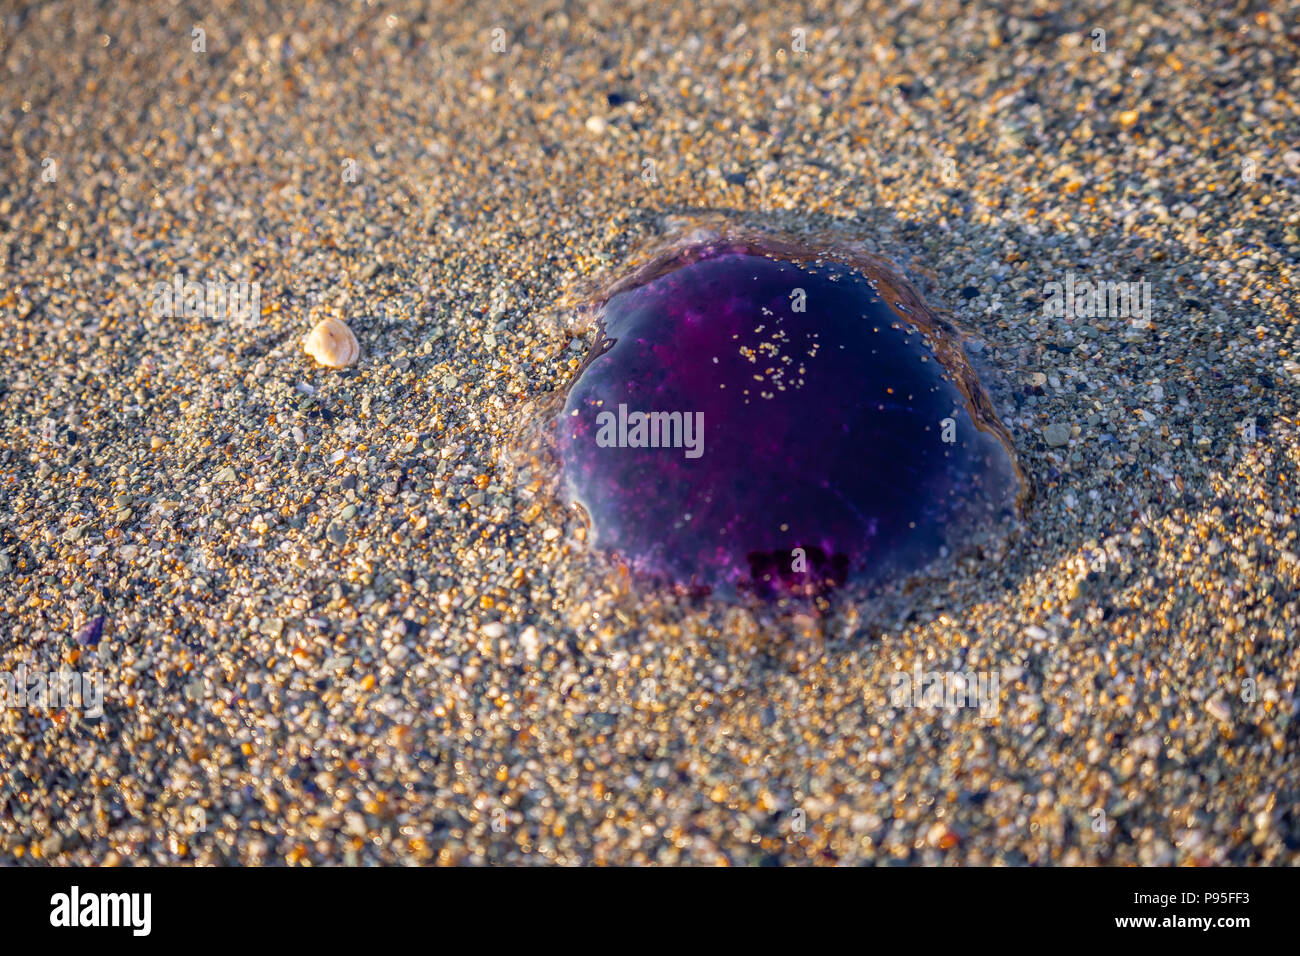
755	421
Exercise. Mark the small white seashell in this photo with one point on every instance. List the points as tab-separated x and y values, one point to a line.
332	344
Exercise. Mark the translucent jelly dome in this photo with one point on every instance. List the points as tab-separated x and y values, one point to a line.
753	418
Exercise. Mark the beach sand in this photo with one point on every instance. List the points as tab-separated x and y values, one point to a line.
346	619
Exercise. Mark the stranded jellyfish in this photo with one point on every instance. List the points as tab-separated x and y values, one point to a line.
756	416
